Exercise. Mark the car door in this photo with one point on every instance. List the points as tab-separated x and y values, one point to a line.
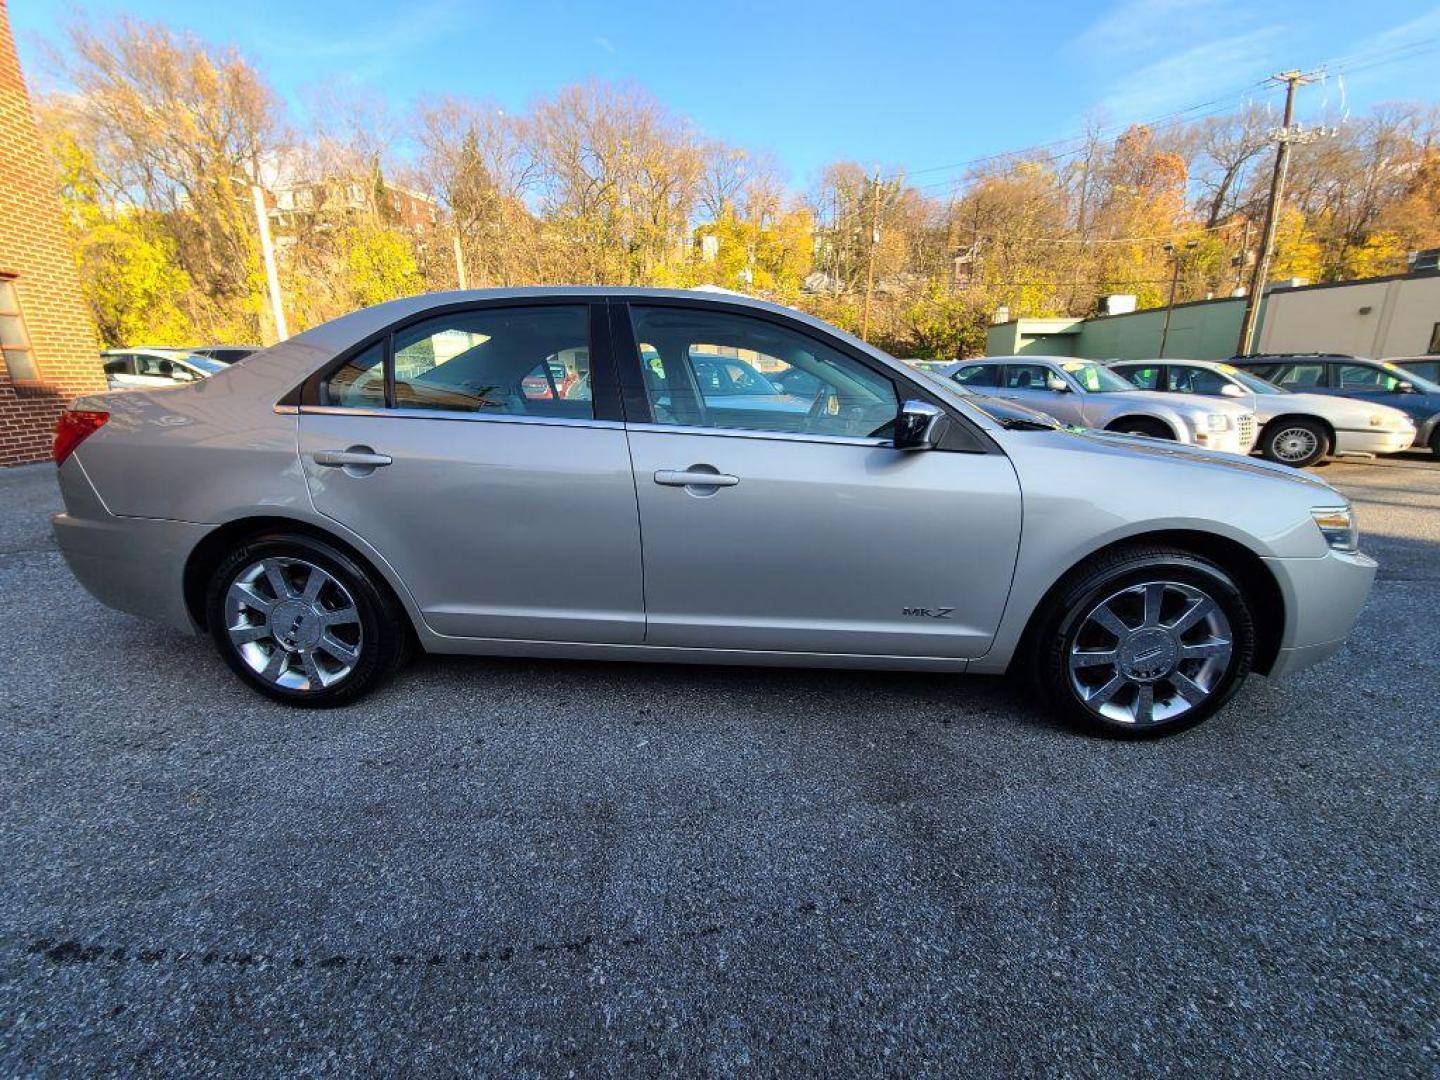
1370	382
507	508
803	529
1206	382
1036	386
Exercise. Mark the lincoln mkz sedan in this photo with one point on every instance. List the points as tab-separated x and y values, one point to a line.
665	475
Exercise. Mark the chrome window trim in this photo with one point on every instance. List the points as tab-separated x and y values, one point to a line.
749	433
447	414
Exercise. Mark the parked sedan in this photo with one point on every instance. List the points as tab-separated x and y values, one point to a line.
153	368
1376	382
1088	394
318	515
1295	429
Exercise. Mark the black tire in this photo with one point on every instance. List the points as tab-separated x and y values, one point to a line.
1143	425
1065	618
1282	440
1435	442
379	633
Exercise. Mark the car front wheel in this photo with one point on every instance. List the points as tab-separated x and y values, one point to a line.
1146	642
1295	442
301	622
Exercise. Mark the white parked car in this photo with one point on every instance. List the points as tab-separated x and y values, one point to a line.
1295	429
1086	393
154	368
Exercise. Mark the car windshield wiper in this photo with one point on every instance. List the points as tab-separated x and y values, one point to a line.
1024	423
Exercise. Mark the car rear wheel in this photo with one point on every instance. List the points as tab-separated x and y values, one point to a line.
1145	642
1296	442
1435	443
302	622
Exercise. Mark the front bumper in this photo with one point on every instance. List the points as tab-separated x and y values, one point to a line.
1230	442
1323	597
1374	441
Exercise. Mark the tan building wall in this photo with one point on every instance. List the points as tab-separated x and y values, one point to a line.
1396	316
35	256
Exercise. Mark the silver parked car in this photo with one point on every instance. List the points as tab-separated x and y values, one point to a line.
1086	393
1296	429
411	474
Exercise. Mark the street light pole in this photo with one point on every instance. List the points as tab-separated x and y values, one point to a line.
267	250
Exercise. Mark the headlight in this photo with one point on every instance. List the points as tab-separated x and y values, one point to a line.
1337	525
1216	421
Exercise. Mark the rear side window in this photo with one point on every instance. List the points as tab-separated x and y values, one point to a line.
1428	369
522	361
1299	376
978	375
360	384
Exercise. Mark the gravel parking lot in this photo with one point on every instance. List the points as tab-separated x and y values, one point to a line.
533	868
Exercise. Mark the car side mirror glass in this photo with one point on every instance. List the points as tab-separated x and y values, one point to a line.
918	426
1057	384
1407	387
1231	390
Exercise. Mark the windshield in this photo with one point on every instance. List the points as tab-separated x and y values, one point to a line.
1254	383
1406	375
205	364
1095	378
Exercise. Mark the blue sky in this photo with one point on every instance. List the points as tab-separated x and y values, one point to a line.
916	86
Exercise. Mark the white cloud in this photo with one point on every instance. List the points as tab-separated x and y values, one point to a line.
1198	74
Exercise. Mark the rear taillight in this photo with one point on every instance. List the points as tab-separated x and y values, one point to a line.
73	428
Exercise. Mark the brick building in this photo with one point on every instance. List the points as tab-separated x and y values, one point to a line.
47	341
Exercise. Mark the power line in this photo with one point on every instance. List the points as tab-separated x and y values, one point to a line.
1353	64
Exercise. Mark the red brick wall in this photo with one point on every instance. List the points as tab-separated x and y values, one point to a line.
34	247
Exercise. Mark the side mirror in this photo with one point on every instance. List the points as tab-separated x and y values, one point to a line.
1231	390
1407	387
918	425
1056	384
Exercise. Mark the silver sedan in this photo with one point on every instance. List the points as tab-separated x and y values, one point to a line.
678	476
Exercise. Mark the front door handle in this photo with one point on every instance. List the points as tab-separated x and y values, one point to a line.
357	456
696	476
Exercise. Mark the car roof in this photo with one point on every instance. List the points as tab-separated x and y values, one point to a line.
1256	358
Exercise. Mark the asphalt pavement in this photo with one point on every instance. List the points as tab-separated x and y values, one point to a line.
538	869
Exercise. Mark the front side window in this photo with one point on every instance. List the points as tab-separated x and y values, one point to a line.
1026	376
1145	378
1193	380
531	361
14	338
1366	379
978	375
721	370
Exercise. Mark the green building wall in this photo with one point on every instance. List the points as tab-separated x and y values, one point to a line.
1203	330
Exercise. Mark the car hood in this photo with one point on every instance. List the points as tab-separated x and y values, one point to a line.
1182	455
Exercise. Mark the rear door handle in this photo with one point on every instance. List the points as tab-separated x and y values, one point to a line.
708	477
355	457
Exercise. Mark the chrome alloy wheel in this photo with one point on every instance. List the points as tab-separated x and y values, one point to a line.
293	623
1294	444
1150	653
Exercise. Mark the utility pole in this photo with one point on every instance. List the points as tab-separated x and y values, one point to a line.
267	249
870	262
1284	136
459	261
1177	255
1242	259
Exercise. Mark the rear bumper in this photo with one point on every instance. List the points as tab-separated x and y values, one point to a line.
135	565
1322	597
